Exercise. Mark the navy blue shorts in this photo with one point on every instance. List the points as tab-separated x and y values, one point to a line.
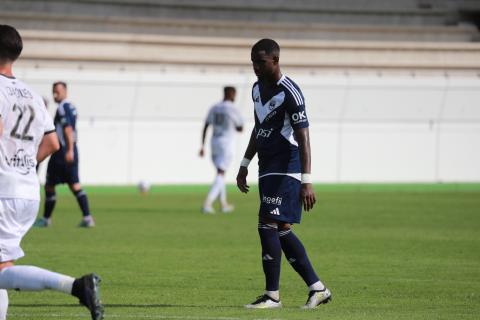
280	198
59	171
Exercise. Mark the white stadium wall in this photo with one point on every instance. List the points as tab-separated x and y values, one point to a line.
365	126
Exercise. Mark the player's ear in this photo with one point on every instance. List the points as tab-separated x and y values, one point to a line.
276	59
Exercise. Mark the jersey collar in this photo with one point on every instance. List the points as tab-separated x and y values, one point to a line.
281	79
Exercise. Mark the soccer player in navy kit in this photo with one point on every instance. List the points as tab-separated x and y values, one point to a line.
63	165
281	139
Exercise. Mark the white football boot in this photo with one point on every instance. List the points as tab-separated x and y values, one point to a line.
228	208
208	210
264	302
317	297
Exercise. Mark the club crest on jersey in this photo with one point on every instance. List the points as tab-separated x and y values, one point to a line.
271	106
263	110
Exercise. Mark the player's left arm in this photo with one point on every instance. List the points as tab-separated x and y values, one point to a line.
48	145
295	103
67	124
69	140
306	193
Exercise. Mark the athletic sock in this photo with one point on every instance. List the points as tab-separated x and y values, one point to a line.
50	200
214	190
273	294
271	255
30	278
223	193
297	256
317	286
3	304
82	202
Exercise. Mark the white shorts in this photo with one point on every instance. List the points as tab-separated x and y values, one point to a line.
16	218
222	160
222	154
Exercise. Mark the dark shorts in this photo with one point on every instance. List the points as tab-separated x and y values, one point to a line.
280	198
59	171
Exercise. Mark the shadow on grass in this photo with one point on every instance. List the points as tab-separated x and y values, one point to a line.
119	305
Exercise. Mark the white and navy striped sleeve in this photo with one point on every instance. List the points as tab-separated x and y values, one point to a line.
295	104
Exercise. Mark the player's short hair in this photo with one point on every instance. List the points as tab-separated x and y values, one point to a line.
61	83
11	43
268	45
228	90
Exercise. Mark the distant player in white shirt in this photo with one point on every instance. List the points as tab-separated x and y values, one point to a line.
225	120
27	136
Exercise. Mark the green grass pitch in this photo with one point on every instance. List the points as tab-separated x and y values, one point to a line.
385	251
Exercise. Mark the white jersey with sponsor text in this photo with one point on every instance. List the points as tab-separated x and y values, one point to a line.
25	121
224	118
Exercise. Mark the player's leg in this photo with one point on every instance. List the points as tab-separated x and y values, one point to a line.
221	169
82	200
17	216
216	187
73	180
271	250
3	304
297	257
271	262
31	278
50	194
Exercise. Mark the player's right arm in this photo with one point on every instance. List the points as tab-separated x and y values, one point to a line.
243	170
204	135
48	145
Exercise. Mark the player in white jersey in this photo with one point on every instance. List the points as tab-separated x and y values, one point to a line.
225	120
27	136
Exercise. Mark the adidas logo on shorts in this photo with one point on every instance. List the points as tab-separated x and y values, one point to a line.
275	212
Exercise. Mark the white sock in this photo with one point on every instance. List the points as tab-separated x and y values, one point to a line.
31	278
214	190
273	294
223	194
317	286
3	304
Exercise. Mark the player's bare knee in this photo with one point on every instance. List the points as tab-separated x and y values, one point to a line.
49	188
284	226
6	264
267	221
74	187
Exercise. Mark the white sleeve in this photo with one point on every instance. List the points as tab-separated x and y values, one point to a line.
210	117
47	121
237	117
3	106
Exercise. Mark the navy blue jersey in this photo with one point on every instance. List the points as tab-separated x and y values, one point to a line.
278	111
66	115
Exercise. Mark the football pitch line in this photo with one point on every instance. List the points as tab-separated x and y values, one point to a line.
130	316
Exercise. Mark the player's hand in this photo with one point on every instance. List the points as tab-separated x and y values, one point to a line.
307	196
242	179
69	156
201	153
